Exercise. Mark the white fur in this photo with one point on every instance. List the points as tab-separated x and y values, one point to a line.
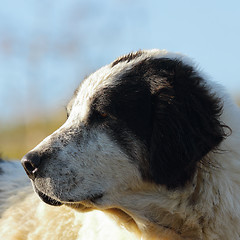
208	208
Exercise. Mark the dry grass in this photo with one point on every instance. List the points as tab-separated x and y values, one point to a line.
18	140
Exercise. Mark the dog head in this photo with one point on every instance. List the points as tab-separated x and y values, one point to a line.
148	117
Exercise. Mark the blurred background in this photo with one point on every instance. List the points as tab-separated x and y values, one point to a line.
47	47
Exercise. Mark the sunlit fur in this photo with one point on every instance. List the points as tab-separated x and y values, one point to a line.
82	159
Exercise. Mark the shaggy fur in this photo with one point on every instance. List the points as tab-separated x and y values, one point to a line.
151	142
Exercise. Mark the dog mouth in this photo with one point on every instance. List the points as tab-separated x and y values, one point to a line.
87	202
48	200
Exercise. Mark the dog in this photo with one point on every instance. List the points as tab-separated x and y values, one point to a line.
150	141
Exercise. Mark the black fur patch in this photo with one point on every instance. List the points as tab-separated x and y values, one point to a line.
185	120
167	106
127	58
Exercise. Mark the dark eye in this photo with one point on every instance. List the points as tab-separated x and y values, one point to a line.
103	114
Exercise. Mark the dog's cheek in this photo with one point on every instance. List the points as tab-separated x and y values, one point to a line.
109	164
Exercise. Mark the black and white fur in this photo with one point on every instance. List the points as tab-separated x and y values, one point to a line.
151	140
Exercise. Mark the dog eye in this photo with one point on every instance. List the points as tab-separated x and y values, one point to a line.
103	114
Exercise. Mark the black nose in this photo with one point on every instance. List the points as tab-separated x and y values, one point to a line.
31	162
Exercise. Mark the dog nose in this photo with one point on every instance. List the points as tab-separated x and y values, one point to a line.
31	162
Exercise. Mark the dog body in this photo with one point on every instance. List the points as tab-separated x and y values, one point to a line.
151	141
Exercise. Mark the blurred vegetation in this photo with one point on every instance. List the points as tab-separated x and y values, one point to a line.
17	140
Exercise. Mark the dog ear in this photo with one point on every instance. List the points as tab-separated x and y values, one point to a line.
185	125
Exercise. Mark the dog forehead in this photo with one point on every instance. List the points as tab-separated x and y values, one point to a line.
86	92
109	75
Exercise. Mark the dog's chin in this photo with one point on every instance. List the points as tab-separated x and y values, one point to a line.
89	203
81	207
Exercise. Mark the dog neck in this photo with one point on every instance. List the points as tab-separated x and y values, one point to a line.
156	213
199	211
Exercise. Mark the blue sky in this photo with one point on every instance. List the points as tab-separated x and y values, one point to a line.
48	46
